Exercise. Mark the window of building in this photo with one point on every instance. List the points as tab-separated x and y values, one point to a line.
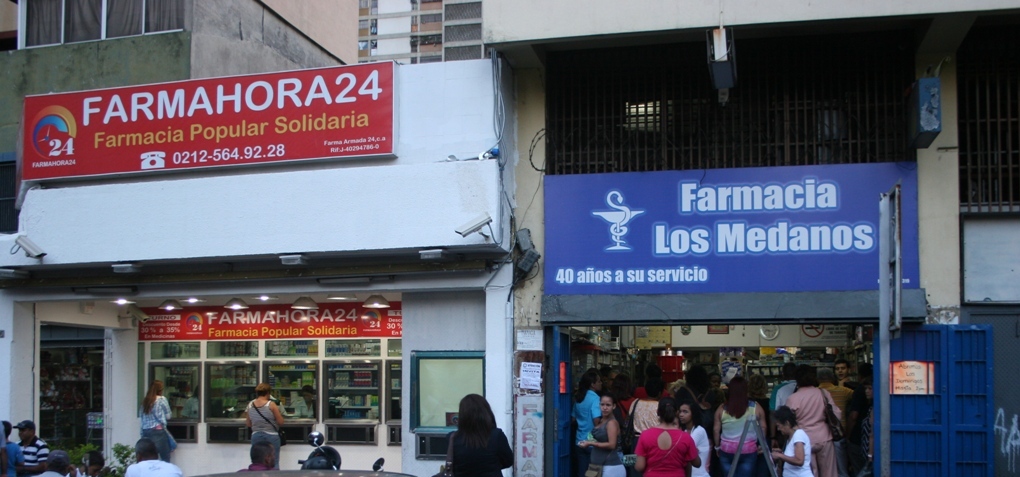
436	397
432	18
430	39
989	121
653	107
8	193
464	32
50	22
464	11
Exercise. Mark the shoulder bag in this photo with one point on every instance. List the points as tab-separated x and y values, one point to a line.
835	427
283	437
447	469
628	438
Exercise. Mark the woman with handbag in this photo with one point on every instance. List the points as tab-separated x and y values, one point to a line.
264	418
478	448
665	450
154	412
811	405
605	444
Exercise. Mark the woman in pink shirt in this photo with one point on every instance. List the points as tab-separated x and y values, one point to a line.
808	402
665	450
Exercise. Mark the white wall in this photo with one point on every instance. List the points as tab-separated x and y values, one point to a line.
505	21
394	6
390	26
392	46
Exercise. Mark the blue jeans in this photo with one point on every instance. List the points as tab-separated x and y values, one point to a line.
272	439
745	467
159	437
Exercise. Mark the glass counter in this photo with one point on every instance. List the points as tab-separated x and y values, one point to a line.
292	349
353	391
184	350
181	388
232	349
295	387
341	348
231	386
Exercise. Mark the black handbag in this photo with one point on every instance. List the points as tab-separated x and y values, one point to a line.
279	432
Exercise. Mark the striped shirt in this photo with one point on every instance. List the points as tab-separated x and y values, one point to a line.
157	416
36	452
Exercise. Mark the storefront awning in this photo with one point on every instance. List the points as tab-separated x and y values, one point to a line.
856	306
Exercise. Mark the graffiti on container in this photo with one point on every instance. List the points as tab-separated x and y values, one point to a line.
1009	438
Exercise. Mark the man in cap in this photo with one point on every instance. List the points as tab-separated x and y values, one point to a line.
149	464
58	464
34	449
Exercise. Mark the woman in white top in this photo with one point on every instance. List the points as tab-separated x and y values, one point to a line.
690	416
797	454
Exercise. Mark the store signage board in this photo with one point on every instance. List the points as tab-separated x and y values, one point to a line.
331	320
529	423
912	377
337	112
777	229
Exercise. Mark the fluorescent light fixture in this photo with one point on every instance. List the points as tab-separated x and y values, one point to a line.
107	291
126	268
355	280
305	303
193	300
171	305
264	298
236	304
10	273
342	297
122	301
31	249
376	301
295	259
432	254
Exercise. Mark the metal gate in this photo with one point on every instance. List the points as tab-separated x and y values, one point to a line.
559	405
949	432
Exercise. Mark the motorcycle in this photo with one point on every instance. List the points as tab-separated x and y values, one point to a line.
326	457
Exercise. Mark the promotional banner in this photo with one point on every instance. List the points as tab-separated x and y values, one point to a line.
331	320
335	112
776	229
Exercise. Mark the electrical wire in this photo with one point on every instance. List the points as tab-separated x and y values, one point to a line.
539	135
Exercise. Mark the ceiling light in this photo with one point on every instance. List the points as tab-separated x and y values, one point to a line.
265	298
122	301
126	268
171	305
305	303
236	304
342	297
376	301
194	300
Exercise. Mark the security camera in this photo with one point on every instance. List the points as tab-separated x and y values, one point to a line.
137	313
474	225
31	249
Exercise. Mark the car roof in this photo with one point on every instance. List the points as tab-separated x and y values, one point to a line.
308	473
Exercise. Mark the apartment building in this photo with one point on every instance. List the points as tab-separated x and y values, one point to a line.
420	31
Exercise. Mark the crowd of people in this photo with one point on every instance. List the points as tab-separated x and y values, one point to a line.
695	426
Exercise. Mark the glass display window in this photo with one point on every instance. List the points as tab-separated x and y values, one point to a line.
292	349
394	348
232	349
231	386
295	386
181	388
353	391
393	389
341	348
175	350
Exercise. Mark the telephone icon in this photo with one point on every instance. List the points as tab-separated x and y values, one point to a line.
153	160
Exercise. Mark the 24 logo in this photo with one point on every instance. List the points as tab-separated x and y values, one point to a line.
54	132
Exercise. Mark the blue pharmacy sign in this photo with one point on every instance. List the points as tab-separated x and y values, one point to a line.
776	229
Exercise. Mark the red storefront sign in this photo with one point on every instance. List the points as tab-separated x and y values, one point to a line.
342	320
295	115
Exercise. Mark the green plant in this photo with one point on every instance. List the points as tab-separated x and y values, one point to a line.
123	456
76	453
